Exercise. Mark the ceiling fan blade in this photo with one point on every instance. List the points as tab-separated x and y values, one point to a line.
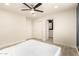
37	5
25	9
27	5
38	10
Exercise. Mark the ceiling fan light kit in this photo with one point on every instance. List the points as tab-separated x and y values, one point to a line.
32	11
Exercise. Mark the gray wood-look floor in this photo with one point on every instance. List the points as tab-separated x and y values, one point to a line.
65	51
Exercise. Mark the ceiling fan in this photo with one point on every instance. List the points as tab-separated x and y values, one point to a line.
33	8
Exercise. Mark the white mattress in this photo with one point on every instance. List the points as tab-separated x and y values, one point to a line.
31	48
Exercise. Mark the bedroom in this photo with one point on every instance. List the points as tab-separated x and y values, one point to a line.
20	25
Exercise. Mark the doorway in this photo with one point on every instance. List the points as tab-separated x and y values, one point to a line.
50	31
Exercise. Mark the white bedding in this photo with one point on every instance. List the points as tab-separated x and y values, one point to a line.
31	48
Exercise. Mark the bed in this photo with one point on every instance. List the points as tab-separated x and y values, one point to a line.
31	48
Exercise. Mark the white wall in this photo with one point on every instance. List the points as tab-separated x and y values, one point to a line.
13	28
39	29
64	27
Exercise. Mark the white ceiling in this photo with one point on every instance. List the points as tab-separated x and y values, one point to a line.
48	8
